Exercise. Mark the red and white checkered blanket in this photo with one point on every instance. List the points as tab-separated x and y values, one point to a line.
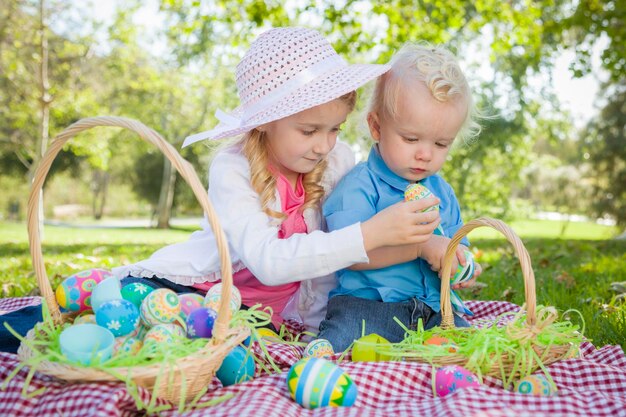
593	385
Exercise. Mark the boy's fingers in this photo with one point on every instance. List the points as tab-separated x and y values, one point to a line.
423	203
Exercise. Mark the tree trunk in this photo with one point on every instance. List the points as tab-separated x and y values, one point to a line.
166	195
44	100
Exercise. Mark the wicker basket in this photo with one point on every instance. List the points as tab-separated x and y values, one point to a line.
533	324
189	375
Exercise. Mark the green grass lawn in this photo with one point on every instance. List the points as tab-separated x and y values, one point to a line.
573	270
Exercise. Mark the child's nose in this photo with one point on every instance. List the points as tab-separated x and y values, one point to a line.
424	152
325	144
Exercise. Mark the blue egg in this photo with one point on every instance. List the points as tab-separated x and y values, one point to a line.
121	317
238	366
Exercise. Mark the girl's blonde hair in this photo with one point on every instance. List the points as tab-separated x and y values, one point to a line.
264	181
439	70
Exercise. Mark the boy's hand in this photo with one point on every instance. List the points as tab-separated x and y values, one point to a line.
433	252
400	224
470	282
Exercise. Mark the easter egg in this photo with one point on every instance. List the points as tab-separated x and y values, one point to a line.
214	296
442	341
74	293
238	366
136	292
452	378
121	317
107	290
160	306
416	191
163	334
189	302
535	385
127	345
319	348
464	273
86	343
85	318
317	382
365	349
200	323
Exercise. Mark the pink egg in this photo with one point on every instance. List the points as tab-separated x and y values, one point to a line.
189	302
74	293
451	378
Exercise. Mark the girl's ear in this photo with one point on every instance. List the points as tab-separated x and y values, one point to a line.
374	124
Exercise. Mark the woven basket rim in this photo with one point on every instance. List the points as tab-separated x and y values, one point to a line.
222	335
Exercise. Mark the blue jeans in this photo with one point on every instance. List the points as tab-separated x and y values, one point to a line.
345	316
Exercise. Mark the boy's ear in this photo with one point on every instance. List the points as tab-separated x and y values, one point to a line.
373	122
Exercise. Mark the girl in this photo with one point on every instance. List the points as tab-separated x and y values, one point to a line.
267	187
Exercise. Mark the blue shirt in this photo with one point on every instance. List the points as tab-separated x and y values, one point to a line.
367	189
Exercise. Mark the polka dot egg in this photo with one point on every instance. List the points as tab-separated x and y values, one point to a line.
319	348
161	306
535	385
189	302
450	379
214	296
136	292
121	317
74	292
317	382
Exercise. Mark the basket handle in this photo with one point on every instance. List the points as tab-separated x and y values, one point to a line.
447	320
184	168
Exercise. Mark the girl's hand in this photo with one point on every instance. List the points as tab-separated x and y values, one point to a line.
401	223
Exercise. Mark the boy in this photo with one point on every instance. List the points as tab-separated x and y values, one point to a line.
417	111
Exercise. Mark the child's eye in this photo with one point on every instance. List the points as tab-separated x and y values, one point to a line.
442	145
336	129
411	139
308	132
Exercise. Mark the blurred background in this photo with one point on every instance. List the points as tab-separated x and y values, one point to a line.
550	73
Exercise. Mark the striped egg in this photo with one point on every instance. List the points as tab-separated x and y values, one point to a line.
416	191
74	292
316	382
535	385
161	306
464	273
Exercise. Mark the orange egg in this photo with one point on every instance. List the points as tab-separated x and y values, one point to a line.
442	341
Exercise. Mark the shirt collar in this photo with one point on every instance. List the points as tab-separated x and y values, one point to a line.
379	167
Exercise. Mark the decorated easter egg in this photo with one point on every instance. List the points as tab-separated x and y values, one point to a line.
127	345
85	318
452	378
163	334
464	273
416	191
121	317
238	366
136	292
200	323
317	382
365	349
107	290
319	348
74	293
442	341
188	302
214	296
535	385
160	306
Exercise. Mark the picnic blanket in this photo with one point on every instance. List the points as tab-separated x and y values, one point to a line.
592	385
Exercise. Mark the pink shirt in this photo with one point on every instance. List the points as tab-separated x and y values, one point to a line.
251	289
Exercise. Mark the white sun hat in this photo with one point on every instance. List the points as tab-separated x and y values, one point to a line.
285	71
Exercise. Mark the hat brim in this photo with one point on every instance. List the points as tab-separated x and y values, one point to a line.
321	90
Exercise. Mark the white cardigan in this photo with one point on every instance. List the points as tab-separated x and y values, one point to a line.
253	241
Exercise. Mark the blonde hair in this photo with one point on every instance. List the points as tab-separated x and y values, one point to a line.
264	181
439	70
